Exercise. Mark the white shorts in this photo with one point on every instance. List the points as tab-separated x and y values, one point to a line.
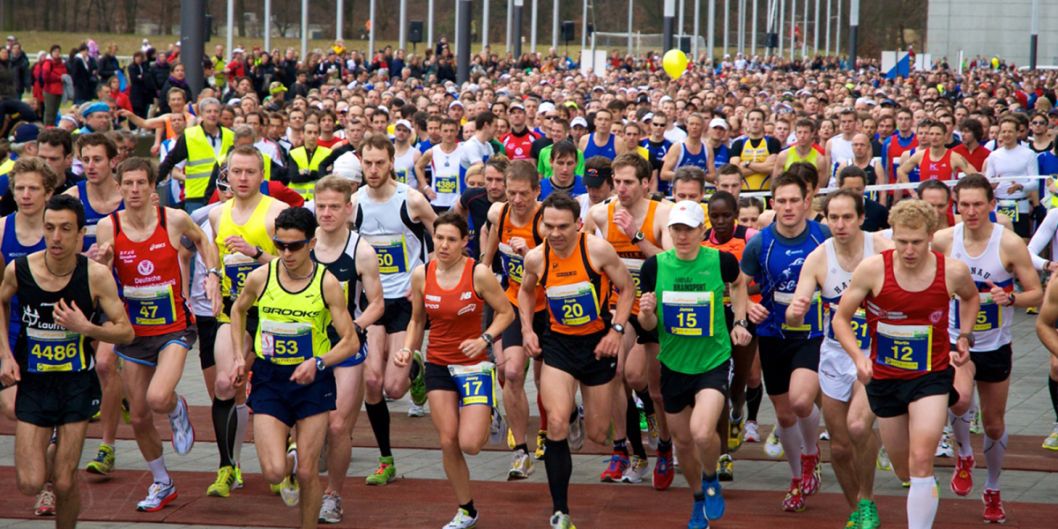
837	372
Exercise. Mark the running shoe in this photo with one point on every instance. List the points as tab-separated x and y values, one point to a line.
664	470
994	512
944	448
794	500
725	468
331	508
811	473
735	433
752	432
238	478
104	461
975	424
511	443
615	469
290	491
462	520
962	478
497	427
521	466
576	431
45	505
541	437
418	384
560	520
882	462
854	520
183	431
652	430
1032	310
824	435
1051	442
714	499
868	515
416	410
158	496
224	484
385	472
698	519
636	471
772	446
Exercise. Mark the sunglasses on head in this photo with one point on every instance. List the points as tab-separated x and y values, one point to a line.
292	246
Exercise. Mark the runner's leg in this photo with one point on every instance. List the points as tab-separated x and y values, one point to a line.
842	453
310	432
66	478
865	441
993	408
349	381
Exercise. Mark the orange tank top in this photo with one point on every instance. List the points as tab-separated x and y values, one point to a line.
576	293
736	245
455	316
630	253
513	263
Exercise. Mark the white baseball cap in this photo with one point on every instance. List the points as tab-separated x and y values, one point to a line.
545	107
688	213
718	122
579	122
403	123
348	166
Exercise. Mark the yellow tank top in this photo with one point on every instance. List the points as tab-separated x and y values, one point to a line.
255	231
758	154
792	157
293	325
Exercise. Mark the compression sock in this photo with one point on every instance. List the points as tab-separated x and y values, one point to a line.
224	426
960	427
809	427
559	465
753	399
242	413
1052	385
644	397
635	435
378	416
922	501
995	450
791	444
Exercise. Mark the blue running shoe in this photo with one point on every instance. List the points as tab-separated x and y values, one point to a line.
714	499
698	518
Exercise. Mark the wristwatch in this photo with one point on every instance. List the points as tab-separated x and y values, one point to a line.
638	237
1012	300
259	253
320	365
215	271
742	323
969	338
618	327
489	340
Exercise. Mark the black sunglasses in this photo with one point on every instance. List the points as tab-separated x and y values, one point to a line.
293	246
1039	122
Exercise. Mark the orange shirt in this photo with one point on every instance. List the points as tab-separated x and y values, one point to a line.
455	316
576	292
630	253
514	263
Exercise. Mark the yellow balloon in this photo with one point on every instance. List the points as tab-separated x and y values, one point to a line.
675	63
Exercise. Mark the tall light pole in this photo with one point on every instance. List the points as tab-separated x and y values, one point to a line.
804	31
484	24
815	30
305	29
268	25
429	23
630	17
584	27
679	23
753	30
854	31
463	8
402	39
516	36
727	25
532	26
339	18
371	32
829	22
782	24
667	24
710	30
697	29
229	39
1034	33
510	14
554	24
837	29
793	28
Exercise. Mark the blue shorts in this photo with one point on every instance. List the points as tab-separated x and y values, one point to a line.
273	393
358	357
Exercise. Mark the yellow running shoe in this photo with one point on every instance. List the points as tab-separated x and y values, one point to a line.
541	436
104	461
225	482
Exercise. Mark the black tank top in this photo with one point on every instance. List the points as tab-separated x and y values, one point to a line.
44	346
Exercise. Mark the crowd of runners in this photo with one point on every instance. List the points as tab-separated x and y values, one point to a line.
674	250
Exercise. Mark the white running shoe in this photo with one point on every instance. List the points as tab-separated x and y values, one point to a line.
636	471
944	448
497	427
560	520
183	431
158	496
290	491
521	466
416	411
883	463
752	434
576	431
331	509
462	520
773	447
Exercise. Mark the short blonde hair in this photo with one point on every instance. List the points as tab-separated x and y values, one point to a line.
335	183
914	214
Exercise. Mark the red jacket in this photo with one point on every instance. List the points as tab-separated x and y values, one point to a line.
52	73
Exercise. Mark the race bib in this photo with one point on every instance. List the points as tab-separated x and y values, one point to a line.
634	267
392	254
1008	208
688	313
445	184
236	268
55	351
813	318
573	305
286	343
475	383
990	315
906	347
152	305
402	175
859	328
513	263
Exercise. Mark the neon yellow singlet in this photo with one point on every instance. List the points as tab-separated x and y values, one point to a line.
255	231
293	325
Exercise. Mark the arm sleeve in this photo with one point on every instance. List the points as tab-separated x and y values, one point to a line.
176	155
648	275
728	267
751	256
1043	236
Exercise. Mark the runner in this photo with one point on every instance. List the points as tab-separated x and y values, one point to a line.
99	197
1011	158
997	259
451	292
441	186
789	356
908	375
804	151
1047	330
657	146
903	140
140	244
689	279
933	160
690	152
518	143
52	361
293	384
611	145
355	265
635	226
755	154
576	271
564	177
406	154
244	227
853	445
598	179
394	219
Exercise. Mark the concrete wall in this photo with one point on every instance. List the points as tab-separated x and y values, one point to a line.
990	28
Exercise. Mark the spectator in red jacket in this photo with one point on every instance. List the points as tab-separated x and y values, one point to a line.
51	74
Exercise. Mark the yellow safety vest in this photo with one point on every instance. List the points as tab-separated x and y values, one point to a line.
7	166
308	189
201	158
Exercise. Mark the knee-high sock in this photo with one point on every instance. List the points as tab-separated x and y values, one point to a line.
809	427
791	443
635	435
559	465
922	501
960	428
1052	385
224	426
995	451
378	416
753	399
242	412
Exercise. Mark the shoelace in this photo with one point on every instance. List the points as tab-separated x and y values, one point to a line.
381	468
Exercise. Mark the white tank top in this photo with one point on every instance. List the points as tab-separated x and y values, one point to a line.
388	228
404	166
837	280
992	328
445	176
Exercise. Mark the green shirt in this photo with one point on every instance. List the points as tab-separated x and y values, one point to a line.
543	164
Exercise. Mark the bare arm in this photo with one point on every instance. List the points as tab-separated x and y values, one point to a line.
866	278
417	325
961	285
421	210
668	165
492	243
814	267
534	262
491	291
367	266
342	322
906	166
1045	322
1016	254
8	368
251	290
420	170
117	329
